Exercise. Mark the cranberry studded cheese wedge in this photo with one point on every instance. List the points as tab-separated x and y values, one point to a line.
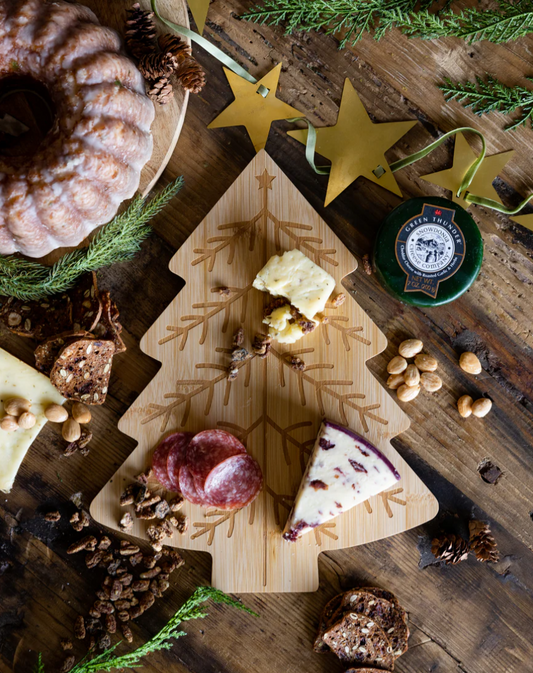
344	470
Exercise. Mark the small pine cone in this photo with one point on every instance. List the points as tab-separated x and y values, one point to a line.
161	91
140	31
482	542
450	548
154	66
190	75
175	45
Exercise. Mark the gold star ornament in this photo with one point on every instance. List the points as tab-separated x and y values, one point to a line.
356	146
463	157
199	12
255	106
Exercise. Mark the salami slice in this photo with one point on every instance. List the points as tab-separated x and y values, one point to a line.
177	455
187	488
210	448
234	483
159	463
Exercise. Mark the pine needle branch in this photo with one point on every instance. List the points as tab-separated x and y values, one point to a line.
484	96
192	609
118	241
39	666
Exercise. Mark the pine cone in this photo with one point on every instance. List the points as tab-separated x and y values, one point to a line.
482	542
449	548
175	45
140	31
155	66
190	75
161	90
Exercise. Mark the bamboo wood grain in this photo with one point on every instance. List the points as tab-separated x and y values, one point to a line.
275	410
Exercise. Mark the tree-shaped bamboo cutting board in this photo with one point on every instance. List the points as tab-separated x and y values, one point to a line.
275	410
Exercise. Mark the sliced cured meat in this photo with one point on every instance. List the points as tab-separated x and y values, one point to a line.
176	456
234	483
159	463
187	488
210	448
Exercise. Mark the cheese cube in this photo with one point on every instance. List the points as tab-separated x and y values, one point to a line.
20	380
298	279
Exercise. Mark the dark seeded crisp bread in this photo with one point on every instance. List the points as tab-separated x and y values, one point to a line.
37	319
82	370
86	303
400	636
358	639
46	352
108	327
331	607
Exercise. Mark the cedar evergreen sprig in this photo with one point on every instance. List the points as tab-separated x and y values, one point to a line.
508	22
490	95
351	19
117	241
192	609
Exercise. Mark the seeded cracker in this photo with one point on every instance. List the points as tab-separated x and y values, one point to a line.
330	609
46	352
358	639
82	370
108	327
86	303
383	612
37	319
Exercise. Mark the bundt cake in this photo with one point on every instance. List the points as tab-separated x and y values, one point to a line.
91	159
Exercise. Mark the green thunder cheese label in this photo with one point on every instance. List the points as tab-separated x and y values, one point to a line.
430	248
428	251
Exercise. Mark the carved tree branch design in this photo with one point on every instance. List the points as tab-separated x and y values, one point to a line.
210	527
325	529
242	228
216	307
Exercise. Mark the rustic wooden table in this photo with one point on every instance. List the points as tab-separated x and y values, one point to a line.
471	617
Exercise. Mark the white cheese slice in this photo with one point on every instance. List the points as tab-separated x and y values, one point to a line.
20	380
344	470
298	279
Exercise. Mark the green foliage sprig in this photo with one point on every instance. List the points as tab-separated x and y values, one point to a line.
490	95
117	241
351	19
192	609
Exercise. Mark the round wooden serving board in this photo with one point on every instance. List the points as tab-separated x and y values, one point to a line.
273	409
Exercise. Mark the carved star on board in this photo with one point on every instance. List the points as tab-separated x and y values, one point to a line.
463	157
356	146
253	110
265	180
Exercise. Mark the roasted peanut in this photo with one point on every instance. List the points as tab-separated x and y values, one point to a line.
407	393
395	381
426	363
9	424
469	363
411	376
71	430
26	420
410	348
481	407
464	406
15	406
397	365
81	413
56	413
430	381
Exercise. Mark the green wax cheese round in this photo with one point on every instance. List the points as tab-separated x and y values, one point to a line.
428	251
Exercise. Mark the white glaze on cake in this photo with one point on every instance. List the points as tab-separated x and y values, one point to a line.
92	158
